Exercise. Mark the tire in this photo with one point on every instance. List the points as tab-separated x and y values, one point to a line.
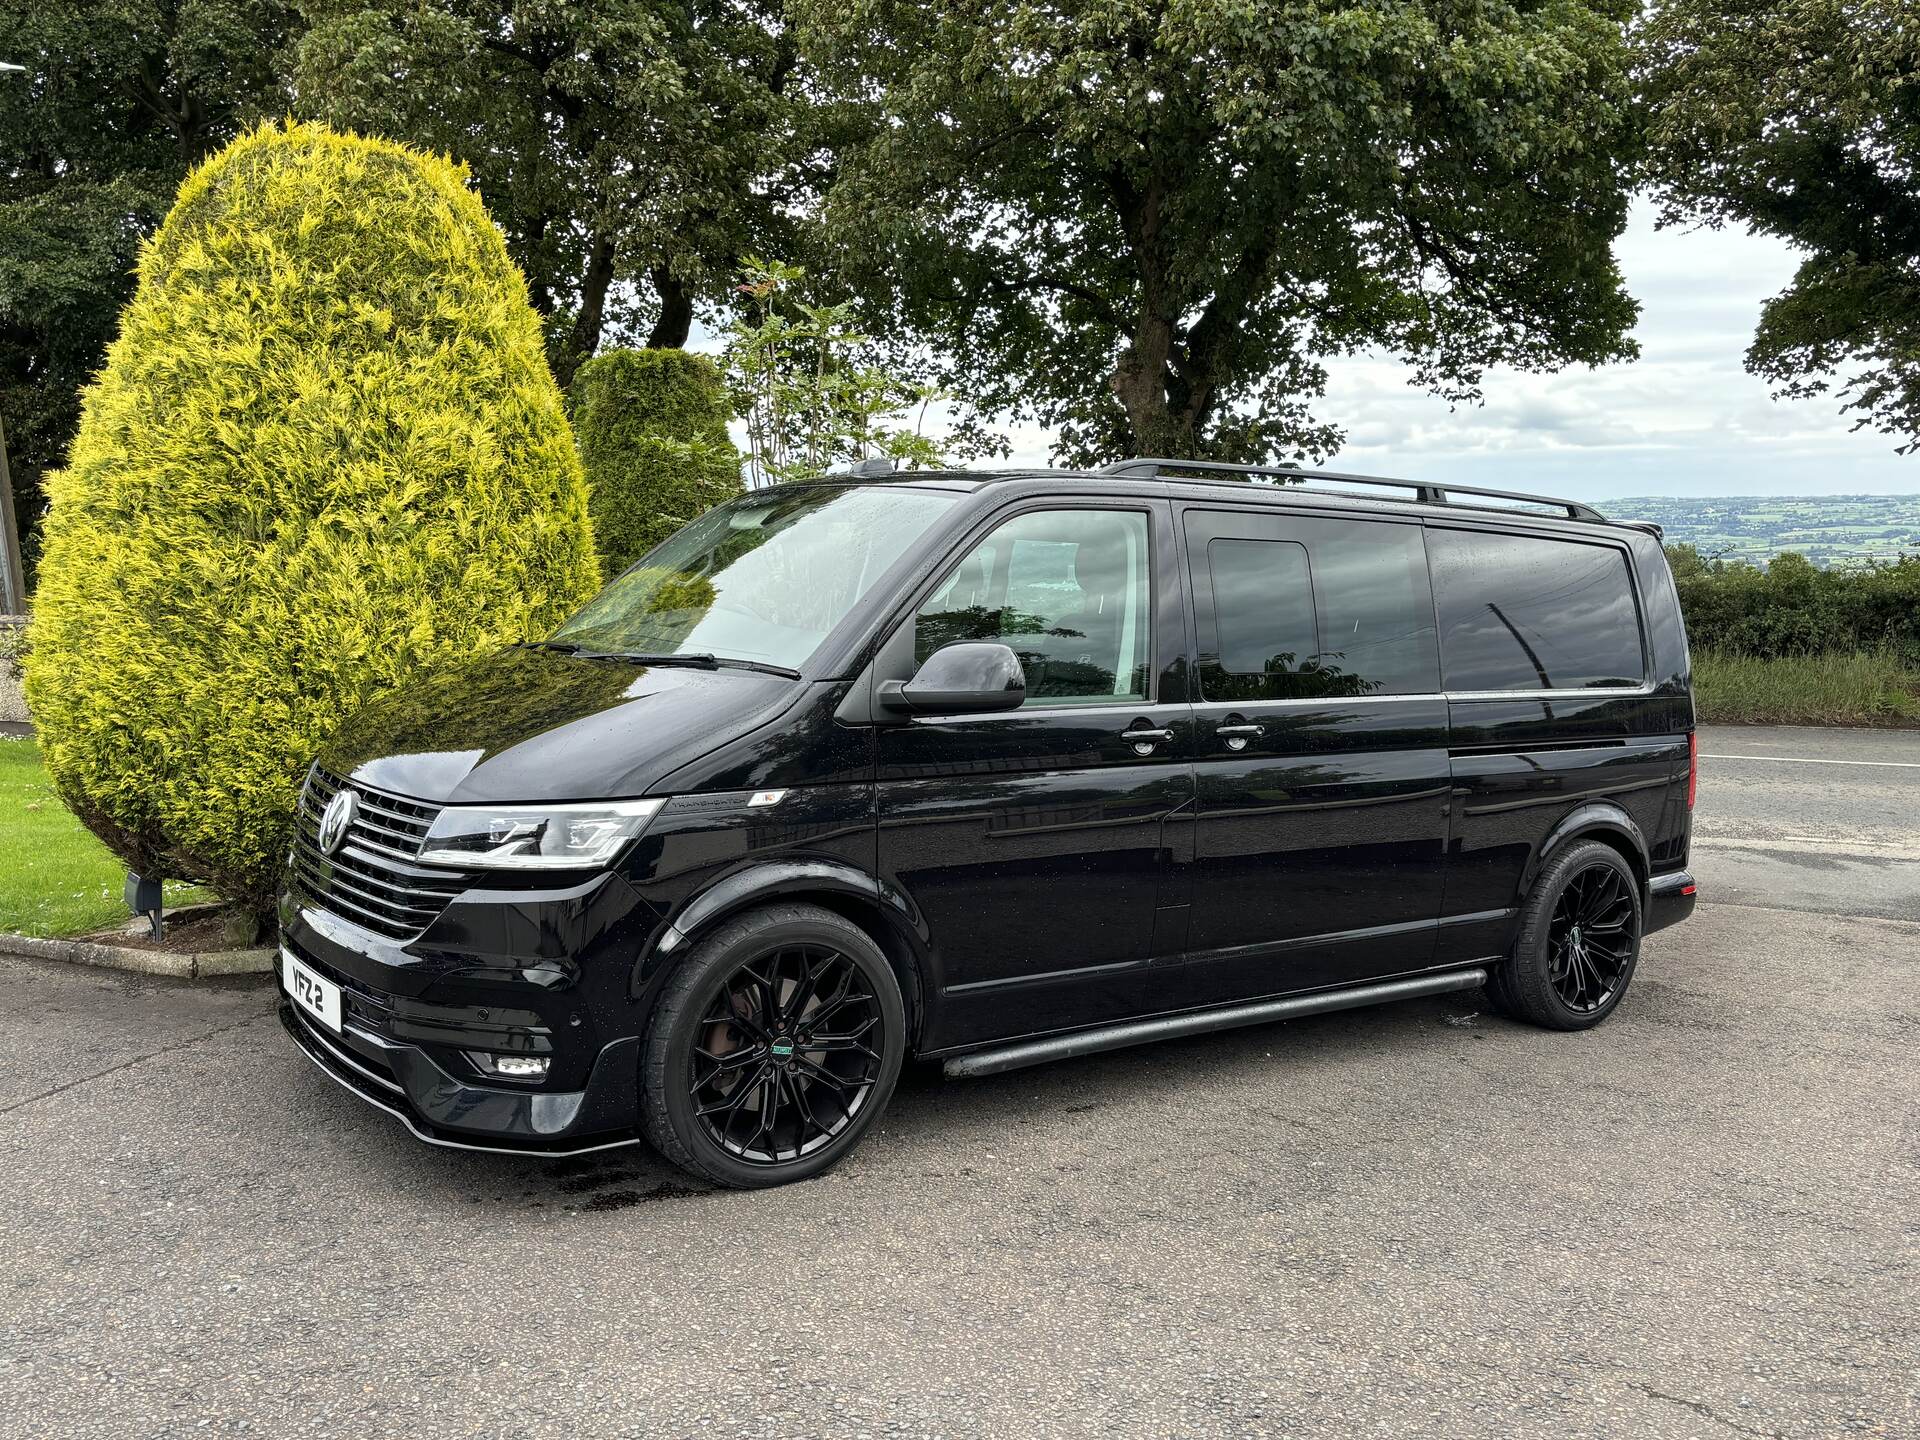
1579	941
722	1098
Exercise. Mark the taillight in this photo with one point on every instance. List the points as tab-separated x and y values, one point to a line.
1693	768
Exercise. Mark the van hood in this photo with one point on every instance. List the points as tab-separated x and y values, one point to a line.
527	724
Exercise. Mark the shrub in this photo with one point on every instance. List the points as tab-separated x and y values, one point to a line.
1791	607
325	449
652	426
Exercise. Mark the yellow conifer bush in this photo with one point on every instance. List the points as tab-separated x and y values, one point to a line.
324	450
652	427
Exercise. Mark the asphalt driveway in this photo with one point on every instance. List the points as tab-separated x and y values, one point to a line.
1698	1220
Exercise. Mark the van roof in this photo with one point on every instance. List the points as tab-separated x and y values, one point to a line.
1277	482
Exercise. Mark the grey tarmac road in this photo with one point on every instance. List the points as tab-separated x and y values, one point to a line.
1698	1220
1806	819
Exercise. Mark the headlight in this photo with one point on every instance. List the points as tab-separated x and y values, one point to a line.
534	837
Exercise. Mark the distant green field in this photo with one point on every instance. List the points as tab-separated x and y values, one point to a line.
1827	529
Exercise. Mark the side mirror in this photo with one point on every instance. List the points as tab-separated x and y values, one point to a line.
961	679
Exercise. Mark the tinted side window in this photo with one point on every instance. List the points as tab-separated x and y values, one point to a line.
1263	607
1376	608
1521	612
1067	590
1299	607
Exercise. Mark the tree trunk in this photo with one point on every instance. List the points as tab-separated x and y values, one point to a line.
584	338
670	331
1145	378
539	288
1140	379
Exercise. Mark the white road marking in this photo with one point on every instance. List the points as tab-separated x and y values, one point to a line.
1805	760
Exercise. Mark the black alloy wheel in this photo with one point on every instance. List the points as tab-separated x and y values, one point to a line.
786	1058
1578	941
772	1048
1591	939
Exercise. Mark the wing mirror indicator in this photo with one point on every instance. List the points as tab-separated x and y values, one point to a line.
969	678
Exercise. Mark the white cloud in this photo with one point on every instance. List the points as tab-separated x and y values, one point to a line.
1686	418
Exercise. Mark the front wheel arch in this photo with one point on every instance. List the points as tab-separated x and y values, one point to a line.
887	917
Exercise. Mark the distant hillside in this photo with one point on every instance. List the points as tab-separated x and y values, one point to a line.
1827	529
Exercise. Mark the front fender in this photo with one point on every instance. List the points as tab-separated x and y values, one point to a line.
757	884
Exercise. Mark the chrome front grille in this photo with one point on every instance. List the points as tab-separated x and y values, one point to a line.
373	878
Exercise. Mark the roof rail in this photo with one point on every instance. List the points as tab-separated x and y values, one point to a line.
1423	494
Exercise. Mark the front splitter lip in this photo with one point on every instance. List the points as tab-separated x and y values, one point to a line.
340	1067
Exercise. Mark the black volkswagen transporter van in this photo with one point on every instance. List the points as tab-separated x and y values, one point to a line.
991	769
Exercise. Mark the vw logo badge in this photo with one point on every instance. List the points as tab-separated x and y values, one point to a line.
337	819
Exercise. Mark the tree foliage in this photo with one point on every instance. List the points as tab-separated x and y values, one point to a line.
1801	119
631	149
325	449
652	430
1148	222
119	99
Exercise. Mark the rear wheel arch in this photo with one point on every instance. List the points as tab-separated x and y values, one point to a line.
1597	820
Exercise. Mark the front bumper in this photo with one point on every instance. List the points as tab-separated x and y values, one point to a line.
442	1111
541	972
1670	899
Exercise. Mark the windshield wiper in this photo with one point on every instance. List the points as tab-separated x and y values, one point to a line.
704	660
559	647
692	660
568	648
784	671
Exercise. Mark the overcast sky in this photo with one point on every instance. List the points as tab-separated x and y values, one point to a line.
1684	419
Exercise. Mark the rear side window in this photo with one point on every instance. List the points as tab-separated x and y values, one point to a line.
1522	612
1302	607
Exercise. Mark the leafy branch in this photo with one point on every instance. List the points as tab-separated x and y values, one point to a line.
808	400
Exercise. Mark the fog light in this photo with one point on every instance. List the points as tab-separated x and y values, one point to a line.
518	1067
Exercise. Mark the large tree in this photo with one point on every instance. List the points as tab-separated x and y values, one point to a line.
1801	119
632	150
1147	223
119	100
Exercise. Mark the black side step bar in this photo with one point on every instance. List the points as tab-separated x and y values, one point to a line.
1138	1032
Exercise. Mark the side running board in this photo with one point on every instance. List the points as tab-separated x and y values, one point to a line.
1200	1022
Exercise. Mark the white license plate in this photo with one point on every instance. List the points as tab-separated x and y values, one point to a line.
319	997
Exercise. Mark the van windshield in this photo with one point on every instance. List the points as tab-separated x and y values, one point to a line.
761	579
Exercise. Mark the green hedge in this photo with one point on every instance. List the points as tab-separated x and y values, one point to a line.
1791	607
652	427
325	449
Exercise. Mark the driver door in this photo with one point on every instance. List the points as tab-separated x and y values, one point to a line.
1035	841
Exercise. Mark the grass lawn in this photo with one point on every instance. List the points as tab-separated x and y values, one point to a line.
55	878
1871	689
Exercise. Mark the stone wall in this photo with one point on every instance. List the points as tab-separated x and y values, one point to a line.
13	705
